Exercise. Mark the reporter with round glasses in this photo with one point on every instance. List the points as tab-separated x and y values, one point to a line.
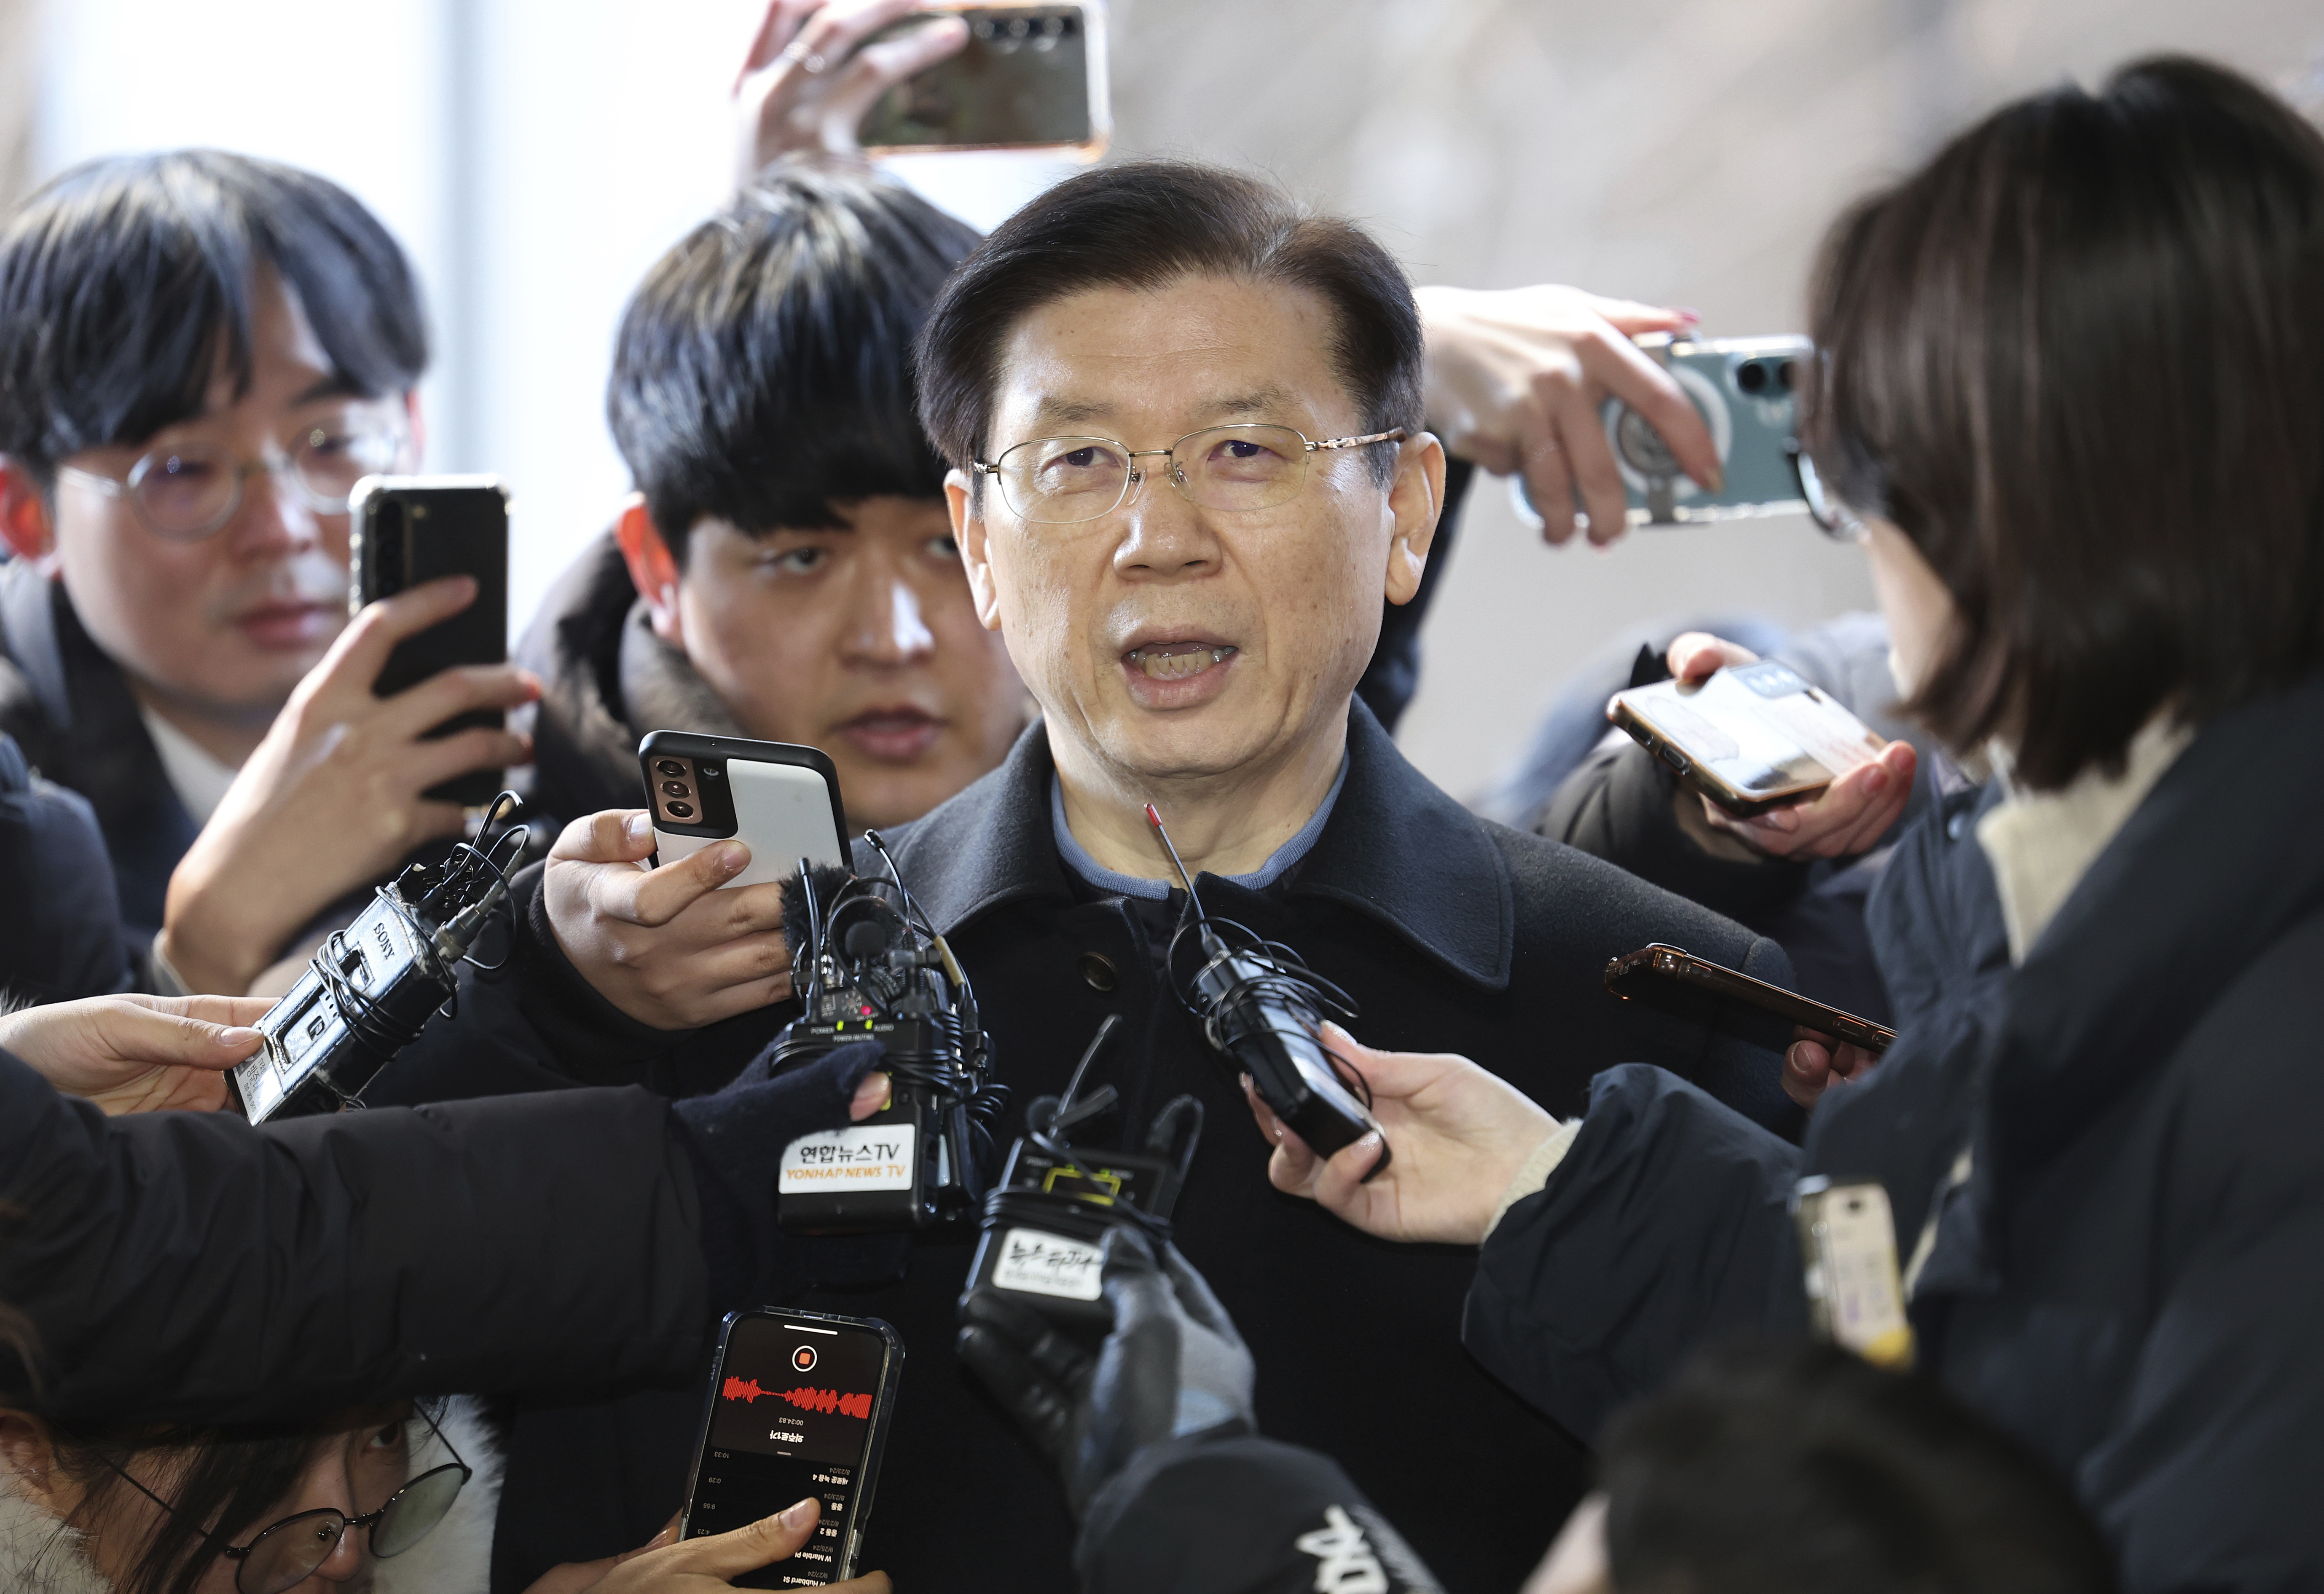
374	1500
199	355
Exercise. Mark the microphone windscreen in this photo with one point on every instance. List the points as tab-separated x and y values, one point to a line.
829	877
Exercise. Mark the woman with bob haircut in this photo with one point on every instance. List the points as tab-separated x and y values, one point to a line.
2071	390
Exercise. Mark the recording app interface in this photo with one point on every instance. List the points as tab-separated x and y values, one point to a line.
791	1418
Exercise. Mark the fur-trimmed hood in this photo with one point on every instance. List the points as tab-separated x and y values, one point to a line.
38	1555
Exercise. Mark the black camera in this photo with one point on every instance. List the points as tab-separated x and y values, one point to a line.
375	984
870	967
1044	1226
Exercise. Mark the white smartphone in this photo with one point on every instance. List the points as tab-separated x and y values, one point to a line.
780	801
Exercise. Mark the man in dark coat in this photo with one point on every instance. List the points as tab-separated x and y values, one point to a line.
1245	642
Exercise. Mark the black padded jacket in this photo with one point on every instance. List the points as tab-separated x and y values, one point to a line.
2107	1155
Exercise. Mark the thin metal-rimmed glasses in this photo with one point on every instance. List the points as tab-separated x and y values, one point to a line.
189	490
286	1553
1067	481
1834	519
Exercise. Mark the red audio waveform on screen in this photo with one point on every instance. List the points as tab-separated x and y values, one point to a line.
807	1400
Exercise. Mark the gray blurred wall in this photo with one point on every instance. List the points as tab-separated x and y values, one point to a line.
1686	152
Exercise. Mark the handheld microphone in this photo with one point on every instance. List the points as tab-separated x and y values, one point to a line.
375	984
1261	1007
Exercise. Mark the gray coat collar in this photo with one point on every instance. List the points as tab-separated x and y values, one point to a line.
1397	848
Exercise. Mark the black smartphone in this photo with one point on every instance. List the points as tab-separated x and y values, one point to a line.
799	1404
1031	76
408	529
1677	981
778	799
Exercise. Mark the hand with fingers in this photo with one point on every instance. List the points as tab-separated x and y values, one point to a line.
138	1054
807	86
334	796
1514	380
1847	818
1460	1135
1815	1062
667	1564
1172	1365
669	946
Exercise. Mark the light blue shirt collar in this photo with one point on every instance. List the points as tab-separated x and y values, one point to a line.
1277	865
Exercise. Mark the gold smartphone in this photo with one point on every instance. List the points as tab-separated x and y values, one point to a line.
1750	738
1677	981
1030	78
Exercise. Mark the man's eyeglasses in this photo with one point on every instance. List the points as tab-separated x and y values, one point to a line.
187	491
287	1553
1065	480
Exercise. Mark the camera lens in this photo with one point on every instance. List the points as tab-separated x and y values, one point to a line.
679	810
670	767
673	788
1751	377
1786	374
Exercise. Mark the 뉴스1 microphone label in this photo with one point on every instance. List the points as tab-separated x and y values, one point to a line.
861	1156
1043	1264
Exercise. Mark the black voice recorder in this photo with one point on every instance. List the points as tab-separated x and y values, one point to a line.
1261	1009
1045	1223
375	985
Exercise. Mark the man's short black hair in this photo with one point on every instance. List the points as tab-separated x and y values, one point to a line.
2079	360
762	374
125	282
1795	1468
1145	224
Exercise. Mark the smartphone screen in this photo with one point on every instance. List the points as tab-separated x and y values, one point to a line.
1024	80
799	1406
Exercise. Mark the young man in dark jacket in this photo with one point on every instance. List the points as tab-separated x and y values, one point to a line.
1198	648
199	355
784	570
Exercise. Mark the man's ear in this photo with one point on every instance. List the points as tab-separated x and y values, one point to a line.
1414	499
976	553
28	1453
653	569
23	512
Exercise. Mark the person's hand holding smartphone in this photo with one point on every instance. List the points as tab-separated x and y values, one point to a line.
1815	1062
665	1566
1514	380
1460	1134
335	794
805	86
667	946
1848	818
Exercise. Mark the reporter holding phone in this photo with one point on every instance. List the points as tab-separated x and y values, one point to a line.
204	352
2098	1154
